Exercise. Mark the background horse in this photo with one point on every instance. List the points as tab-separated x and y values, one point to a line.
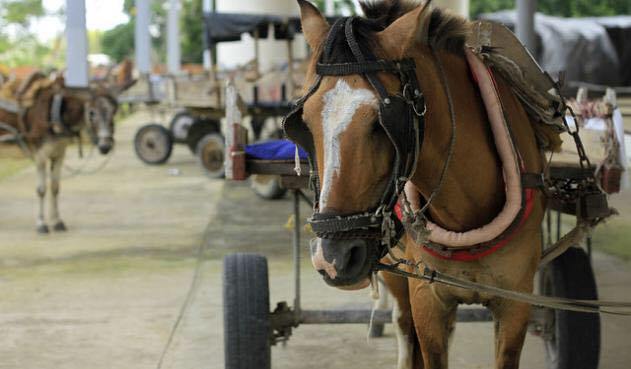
48	127
354	160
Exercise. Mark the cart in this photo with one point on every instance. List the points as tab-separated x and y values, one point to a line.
252	327
198	99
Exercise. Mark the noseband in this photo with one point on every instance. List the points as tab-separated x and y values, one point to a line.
401	116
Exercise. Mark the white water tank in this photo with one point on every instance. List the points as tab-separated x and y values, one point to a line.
271	52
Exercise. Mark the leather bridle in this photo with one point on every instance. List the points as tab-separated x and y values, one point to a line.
401	116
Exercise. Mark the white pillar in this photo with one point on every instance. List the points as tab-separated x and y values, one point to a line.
77	44
460	7
207	8
142	37
525	26
329	7
173	37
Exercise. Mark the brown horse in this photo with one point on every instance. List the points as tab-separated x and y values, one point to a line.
355	160
48	127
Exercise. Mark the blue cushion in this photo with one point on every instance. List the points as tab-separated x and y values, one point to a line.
274	150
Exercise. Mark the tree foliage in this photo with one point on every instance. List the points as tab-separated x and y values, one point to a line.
192	31
20	12
20	47
118	42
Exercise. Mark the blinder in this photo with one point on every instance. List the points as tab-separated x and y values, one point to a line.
401	116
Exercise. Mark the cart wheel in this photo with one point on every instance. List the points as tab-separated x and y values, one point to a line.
180	123
572	339
199	129
153	144
210	151
267	186
246	312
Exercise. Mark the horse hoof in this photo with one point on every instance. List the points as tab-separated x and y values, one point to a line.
60	227
42	229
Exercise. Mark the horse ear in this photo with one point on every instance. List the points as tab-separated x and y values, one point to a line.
408	29
314	25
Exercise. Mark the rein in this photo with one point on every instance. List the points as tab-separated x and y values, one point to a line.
584	306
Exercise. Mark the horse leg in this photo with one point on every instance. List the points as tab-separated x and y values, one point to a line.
55	169
401	319
433	320
511	324
41	193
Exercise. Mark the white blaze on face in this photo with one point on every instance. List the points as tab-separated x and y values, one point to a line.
340	105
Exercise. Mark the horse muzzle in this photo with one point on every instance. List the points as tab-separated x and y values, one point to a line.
105	145
343	263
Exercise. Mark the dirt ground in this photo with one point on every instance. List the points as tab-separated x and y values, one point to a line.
107	293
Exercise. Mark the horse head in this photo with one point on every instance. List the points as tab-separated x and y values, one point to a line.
100	110
360	118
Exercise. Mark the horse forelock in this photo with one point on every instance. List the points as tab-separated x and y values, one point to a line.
446	31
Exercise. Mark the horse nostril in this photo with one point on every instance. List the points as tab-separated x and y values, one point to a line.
355	258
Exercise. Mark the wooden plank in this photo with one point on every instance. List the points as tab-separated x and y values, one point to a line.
275	167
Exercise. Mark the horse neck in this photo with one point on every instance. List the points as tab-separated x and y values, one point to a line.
473	189
74	112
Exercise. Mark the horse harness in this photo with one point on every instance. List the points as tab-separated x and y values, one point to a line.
402	117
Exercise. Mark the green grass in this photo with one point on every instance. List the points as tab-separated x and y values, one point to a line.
614	237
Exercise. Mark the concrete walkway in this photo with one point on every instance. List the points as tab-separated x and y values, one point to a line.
106	293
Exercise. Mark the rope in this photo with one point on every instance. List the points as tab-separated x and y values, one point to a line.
452	143
73	172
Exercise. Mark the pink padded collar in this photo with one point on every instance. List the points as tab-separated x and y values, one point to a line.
510	168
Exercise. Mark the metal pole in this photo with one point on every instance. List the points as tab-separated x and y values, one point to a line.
142	38
329	7
290	70
77	41
296	240
207	8
173	37
525	25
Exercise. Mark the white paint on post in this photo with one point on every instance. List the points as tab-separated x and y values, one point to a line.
207	8
525	26
340	105
142	37
77	41
173	37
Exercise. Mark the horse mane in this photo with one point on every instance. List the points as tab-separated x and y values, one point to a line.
28	82
446	31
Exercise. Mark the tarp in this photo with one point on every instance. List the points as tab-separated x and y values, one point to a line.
274	150
223	27
595	50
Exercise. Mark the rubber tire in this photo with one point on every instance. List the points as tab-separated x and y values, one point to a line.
211	167
576	342
163	134
246	312
179	129
198	130
270	190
